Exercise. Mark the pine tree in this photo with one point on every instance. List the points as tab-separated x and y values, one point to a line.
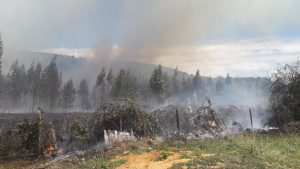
110	80
15	84
110	77
157	84
100	87
53	80
24	80
34	82
184	82
68	94
124	86
175	84
83	93
197	82
30	78
101	78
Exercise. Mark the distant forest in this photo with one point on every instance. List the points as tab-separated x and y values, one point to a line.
25	89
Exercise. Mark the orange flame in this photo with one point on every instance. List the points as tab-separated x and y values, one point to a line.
49	150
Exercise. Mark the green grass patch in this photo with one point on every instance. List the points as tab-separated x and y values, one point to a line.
243	151
164	155
103	163
258	151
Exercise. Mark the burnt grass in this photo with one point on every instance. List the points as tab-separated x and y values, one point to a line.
9	120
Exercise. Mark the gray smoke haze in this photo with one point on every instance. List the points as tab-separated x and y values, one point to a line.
168	32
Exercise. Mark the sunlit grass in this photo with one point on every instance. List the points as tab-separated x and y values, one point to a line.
244	151
237	151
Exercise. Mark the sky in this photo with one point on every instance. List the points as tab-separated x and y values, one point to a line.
242	37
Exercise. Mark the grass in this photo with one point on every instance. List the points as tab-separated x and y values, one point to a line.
259	151
237	151
103	163
243	151
164	155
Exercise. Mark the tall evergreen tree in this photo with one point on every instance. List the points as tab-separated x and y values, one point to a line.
53	80
157	83
34	74
100	87
83	93
68	94
184	82
110	80
110	77
175	83
24	80
124	86
197	81
15	84
101	78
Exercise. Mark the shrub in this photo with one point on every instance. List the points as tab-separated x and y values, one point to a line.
285	93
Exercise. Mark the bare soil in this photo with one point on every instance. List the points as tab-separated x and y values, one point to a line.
148	160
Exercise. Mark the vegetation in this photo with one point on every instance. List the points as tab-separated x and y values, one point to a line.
164	155
242	151
68	94
28	139
237	151
42	85
157	84
124	115
285	94
124	86
83	93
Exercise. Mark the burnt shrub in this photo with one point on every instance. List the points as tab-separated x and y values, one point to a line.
123	115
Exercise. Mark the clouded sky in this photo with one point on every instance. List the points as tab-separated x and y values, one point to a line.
242	37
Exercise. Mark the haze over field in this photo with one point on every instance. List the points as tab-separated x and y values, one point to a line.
213	36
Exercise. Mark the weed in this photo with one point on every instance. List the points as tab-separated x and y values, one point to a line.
164	155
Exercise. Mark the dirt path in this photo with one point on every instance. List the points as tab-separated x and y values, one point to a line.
148	161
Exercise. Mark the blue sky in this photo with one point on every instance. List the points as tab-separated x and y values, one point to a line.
169	32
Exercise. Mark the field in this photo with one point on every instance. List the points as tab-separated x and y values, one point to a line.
236	151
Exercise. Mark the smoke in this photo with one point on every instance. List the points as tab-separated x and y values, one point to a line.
170	32
165	32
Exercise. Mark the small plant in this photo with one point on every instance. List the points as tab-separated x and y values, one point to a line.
133	146
164	155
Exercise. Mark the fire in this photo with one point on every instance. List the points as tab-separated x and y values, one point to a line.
49	150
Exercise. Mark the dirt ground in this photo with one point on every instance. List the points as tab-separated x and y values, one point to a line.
148	160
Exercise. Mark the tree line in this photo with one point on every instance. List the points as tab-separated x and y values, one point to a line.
42	86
